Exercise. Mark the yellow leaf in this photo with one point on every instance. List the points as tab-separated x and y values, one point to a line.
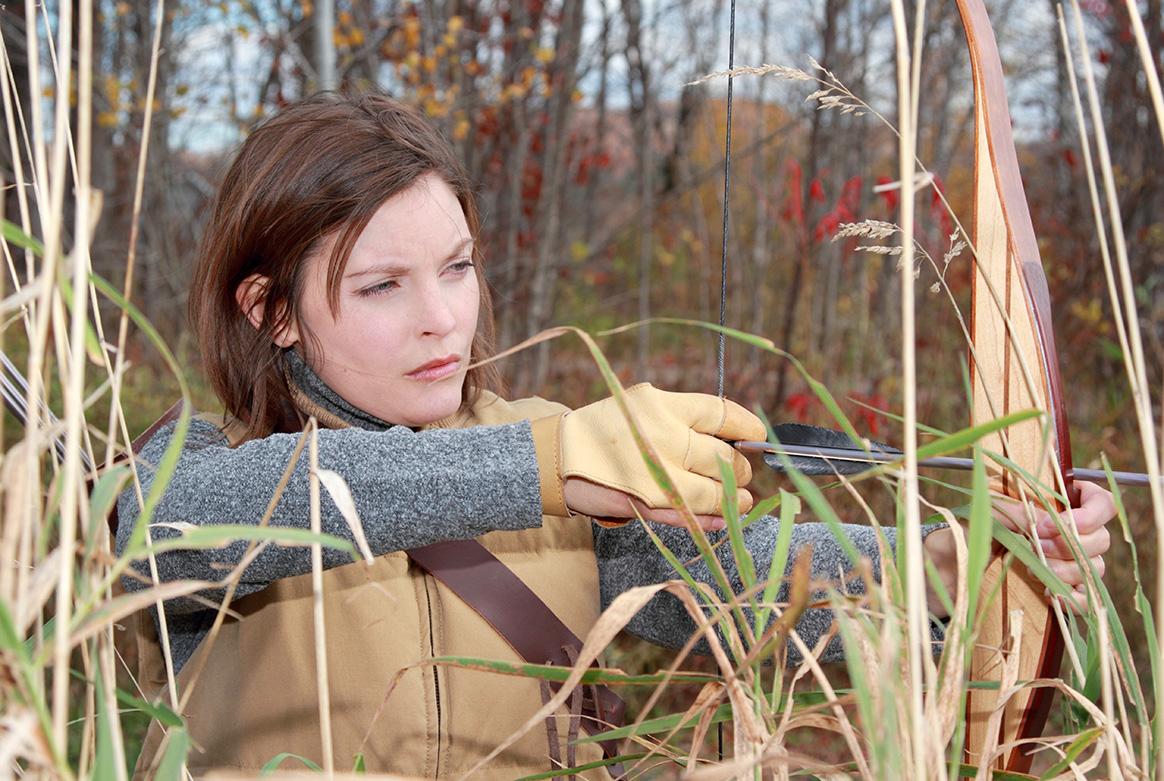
579	251
544	54
434	107
512	91
461	129
123	8
107	119
455	24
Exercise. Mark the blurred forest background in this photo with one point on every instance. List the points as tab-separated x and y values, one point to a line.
600	175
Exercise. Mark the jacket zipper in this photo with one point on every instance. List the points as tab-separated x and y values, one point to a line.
436	684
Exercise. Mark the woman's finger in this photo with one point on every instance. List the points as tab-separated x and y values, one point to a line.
709	523
1070	573
1096	508
705	452
1021	517
1076	602
1095	543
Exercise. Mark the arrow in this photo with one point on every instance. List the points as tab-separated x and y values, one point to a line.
818	451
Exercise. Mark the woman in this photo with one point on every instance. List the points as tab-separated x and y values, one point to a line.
341	279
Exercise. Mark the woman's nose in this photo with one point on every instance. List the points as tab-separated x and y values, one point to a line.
436	314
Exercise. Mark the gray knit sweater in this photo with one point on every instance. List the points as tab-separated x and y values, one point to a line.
415	488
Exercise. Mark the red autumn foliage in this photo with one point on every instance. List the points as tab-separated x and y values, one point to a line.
844	211
798	405
816	191
889	196
866	412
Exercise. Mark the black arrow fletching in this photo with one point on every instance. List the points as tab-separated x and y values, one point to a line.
802	435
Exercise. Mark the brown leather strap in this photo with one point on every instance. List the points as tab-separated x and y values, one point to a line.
169	416
516	613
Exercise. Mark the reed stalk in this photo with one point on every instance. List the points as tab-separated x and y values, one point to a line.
911	507
1134	360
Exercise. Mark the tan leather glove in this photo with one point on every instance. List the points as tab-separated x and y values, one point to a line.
687	431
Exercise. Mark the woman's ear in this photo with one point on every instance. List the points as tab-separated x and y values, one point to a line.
251	295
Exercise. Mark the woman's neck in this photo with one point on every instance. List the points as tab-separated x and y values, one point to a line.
323	402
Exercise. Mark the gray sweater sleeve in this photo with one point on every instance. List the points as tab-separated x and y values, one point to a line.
627	557
410	489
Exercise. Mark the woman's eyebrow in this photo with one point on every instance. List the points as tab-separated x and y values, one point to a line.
386	269
393	270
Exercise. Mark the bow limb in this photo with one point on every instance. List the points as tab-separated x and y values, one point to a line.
1014	366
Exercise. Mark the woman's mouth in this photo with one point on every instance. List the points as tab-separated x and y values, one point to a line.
437	369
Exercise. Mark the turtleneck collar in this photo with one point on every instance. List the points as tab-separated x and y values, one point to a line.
314	397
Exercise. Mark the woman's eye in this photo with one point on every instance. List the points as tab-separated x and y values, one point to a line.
380	288
461	266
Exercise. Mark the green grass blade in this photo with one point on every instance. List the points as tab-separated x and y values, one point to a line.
170	768
156	711
209	537
14	235
101	500
979	535
107	758
273	764
745	565
1072	752
765	506
571	771
789	509
660	724
169	461
549	672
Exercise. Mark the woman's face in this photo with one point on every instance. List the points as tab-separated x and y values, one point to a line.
398	346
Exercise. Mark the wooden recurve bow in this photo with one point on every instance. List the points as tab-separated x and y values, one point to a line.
1014	367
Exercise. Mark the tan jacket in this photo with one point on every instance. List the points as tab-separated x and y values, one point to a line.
257	696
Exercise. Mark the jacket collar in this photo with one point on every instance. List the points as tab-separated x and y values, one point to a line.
313	397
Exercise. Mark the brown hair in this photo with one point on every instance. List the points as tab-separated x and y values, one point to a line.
321	166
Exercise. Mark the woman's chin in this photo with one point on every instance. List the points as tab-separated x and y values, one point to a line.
425	412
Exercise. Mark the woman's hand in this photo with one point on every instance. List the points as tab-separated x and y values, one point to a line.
1096	508
611	507
597	468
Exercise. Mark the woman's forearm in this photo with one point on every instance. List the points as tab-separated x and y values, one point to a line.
627	557
410	489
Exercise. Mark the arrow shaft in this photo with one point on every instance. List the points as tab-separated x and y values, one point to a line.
939	462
